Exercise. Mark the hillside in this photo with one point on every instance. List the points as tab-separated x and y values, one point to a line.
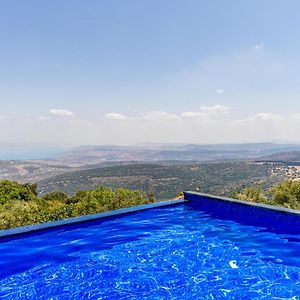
288	157
90	157
24	171
86	155
165	181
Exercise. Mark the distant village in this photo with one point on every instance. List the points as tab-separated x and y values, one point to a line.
288	170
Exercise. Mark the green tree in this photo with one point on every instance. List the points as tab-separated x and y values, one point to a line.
11	190
57	196
20	205
252	194
287	194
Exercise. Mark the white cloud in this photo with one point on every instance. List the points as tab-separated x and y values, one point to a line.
3	117
259	46
159	116
207	112
295	116
261	117
215	109
115	116
61	112
193	115
44	118
220	91
149	116
158	126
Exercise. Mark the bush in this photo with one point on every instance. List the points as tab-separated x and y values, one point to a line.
10	190
285	194
252	194
19	204
57	196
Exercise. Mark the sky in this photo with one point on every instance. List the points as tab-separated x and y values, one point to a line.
128	72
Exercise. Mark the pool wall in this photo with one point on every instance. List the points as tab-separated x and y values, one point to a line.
272	218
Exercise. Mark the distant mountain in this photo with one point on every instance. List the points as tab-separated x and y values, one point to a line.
88	157
293	156
85	155
95	154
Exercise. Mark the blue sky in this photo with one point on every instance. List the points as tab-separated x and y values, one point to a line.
123	72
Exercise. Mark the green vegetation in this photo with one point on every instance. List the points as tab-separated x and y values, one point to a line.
286	194
166	181
251	194
12	190
20	205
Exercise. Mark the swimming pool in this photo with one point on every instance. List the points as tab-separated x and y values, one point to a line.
206	249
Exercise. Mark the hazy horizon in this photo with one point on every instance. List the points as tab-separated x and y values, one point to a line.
33	151
132	72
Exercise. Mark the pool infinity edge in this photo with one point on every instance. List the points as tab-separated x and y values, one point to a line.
188	197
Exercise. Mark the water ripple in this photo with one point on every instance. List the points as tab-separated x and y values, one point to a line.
167	253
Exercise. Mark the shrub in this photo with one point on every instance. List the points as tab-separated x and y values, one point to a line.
10	190
19	204
57	196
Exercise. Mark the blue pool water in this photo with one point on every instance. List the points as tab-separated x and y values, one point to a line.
174	252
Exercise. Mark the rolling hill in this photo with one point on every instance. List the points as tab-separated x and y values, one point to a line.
165	181
284	157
